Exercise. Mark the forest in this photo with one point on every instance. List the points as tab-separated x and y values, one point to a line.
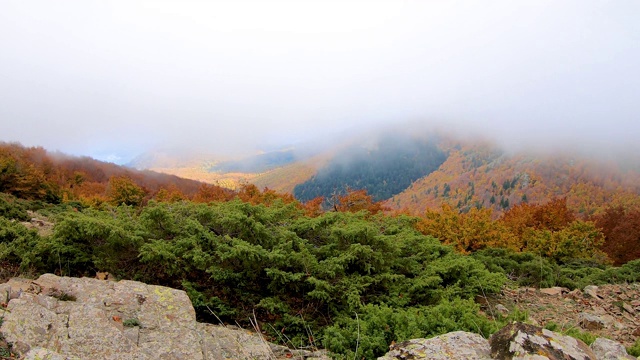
352	279
384	169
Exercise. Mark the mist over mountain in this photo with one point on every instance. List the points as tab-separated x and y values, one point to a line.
383	166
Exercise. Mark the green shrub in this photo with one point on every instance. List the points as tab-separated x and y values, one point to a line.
378	325
13	208
634	350
131	322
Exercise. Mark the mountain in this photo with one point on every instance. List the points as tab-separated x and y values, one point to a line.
416	171
482	175
384	167
34	173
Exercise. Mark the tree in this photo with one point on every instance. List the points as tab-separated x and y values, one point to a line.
123	190
358	200
207	193
621	228
468	232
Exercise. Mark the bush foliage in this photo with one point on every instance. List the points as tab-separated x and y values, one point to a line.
350	281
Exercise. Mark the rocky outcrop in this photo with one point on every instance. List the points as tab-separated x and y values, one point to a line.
606	349
61	318
521	341
81	318
457	345
611	310
516	341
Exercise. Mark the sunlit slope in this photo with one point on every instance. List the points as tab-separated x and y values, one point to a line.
483	176
284	179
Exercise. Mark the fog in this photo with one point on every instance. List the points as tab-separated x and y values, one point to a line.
115	79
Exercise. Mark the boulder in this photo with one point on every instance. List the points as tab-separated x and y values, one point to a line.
592	291
606	349
554	291
83	318
523	341
502	310
591	321
457	345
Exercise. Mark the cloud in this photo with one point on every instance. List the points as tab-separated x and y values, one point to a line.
118	78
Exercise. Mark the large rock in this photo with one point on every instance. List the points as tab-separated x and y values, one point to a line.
523	341
606	349
81	318
591	321
457	345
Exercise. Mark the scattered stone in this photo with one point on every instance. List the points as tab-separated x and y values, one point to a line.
554	291
592	291
575	294
457	345
591	321
523	341
502	310
628	308
606	349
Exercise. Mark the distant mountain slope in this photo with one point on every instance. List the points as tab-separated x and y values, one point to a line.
279	170
34	173
384	167
257	163
284	179
480	175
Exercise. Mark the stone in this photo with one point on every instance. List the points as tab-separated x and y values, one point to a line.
590	321
524	341
575	294
46	354
457	345
606	349
502	309
554	291
118	320
592	291
628	308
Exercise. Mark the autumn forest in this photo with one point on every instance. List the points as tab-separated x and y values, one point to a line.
357	236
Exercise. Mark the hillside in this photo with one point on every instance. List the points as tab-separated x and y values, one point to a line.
384	167
481	175
279	170
36	174
298	270
413	173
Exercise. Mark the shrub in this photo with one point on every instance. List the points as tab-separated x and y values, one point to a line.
634	350
133	322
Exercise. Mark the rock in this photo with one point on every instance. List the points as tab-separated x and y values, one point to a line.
628	308
46	354
575	294
554	291
502	310
592	291
82	318
590	321
523	341
456	345
606	349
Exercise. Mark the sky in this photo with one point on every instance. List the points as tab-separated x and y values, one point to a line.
113	79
